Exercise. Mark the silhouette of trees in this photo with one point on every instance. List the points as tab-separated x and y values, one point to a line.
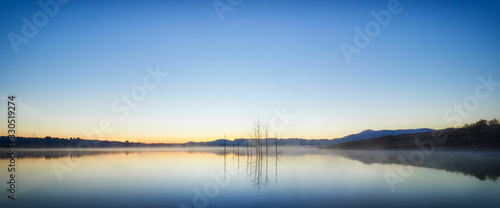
54	142
493	122
481	123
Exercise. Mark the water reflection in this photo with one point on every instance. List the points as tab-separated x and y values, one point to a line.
481	165
257	163
56	153
61	153
308	177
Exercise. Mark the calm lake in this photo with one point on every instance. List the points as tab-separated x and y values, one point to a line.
295	177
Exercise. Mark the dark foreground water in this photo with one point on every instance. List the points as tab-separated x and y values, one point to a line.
296	177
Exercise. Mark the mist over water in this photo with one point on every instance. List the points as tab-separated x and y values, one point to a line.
210	177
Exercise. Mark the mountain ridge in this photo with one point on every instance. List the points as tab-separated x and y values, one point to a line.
482	135
50	142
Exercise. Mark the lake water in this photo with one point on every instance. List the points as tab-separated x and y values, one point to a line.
295	177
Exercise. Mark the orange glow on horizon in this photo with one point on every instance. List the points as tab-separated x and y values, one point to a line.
178	139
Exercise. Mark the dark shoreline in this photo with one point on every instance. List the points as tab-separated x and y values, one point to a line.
475	138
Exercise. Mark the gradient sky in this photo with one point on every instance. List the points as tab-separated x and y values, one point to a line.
265	56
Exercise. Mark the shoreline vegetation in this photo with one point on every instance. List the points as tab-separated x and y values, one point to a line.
54	142
481	135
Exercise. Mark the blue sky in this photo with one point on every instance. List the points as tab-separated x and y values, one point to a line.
265	56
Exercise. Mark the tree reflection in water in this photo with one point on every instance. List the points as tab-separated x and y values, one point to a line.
482	165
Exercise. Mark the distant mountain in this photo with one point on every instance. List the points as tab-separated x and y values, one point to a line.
368	134
50	142
482	135
220	142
